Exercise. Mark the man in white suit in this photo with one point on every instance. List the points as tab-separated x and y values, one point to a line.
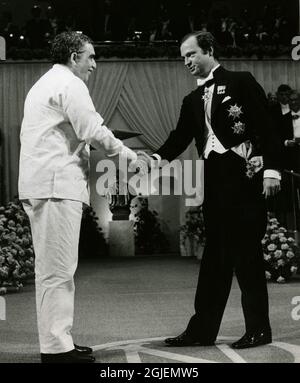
60	122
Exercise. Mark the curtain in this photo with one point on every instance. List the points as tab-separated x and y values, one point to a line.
148	94
151	99
15	81
106	86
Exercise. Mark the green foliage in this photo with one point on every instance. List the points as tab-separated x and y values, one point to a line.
194	226
16	250
92	242
149	238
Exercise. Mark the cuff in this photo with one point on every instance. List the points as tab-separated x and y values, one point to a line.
271	173
156	157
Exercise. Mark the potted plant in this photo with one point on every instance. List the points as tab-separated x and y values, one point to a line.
192	233
281	252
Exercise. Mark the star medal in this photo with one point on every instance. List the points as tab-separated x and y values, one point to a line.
235	111
238	128
206	95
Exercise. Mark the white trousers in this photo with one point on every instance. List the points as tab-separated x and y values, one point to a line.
55	227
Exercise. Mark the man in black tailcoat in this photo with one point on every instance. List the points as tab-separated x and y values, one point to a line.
228	117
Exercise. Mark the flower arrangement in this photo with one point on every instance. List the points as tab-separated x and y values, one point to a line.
149	238
92	243
192	233
281	253
16	251
194	225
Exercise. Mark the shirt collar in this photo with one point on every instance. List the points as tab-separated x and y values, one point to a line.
295	113
62	67
202	81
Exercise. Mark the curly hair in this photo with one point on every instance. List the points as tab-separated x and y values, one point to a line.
65	43
205	40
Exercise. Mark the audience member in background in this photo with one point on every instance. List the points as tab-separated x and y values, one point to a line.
9	30
36	29
283	96
289	129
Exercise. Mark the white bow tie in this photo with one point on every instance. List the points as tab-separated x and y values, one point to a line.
201	82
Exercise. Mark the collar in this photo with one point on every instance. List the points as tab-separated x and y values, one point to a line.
202	81
62	67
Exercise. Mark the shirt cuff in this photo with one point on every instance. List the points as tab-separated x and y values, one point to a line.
271	173
156	157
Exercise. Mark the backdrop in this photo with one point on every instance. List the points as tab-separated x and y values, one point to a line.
146	94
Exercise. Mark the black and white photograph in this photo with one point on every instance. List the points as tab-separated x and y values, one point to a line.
150	185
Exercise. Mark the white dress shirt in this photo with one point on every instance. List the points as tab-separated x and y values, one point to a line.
285	108
59	123
296	124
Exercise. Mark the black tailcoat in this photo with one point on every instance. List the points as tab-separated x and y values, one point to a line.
234	207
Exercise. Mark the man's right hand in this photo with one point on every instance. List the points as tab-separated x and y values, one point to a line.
150	161
290	143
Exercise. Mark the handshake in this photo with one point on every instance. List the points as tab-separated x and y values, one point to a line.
143	164
292	143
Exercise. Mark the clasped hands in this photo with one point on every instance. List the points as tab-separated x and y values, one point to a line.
143	164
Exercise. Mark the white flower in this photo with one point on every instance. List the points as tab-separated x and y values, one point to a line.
268	275
273	237
291	240
294	269
267	257
282	229
278	254
272	247
285	246
280	279
280	234
280	262
290	254
282	239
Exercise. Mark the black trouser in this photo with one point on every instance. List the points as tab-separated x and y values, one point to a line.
235	220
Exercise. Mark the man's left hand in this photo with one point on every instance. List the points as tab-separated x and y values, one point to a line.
271	187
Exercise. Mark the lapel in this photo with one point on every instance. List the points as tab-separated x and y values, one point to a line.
290	126
220	80
198	104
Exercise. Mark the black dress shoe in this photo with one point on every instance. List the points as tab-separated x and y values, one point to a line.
83	349
72	356
186	340
253	340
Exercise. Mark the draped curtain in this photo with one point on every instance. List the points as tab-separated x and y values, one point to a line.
147	94
151	99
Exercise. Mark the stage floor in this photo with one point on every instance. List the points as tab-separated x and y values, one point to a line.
124	308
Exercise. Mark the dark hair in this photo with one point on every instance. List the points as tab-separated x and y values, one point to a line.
206	42
65	44
295	92
284	88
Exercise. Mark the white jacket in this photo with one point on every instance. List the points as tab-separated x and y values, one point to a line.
59	123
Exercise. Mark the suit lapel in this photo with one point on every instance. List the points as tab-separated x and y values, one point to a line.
218	95
199	105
